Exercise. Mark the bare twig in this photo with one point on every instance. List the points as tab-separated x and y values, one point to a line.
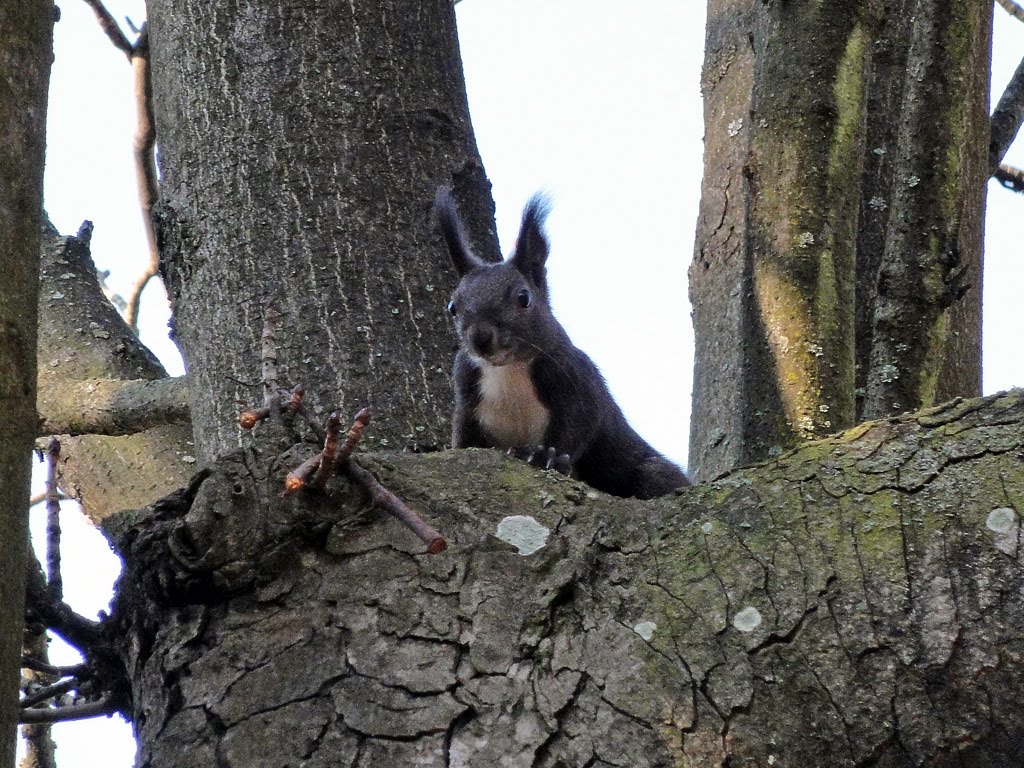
297	478
1010	177
64	714
49	692
40	751
56	614
54	582
36	665
110	27
145	169
1006	118
1012	8
325	469
250	417
355	434
393	505
39	498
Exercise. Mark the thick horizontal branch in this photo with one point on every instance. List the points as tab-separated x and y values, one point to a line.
113	407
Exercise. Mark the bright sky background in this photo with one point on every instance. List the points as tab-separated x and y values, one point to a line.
595	101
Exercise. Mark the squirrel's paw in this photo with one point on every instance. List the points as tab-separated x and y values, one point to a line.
543	456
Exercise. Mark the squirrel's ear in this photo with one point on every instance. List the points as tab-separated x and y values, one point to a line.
447	220
531	253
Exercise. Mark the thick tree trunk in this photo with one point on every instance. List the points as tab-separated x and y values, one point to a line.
26	52
859	601
838	248
301	144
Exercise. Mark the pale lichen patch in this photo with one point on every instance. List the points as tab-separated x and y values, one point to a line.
747	620
645	629
524	533
1003	522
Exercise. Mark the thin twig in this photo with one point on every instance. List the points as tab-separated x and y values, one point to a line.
74	670
297	478
355	434
1010	177
393	505
39	498
64	714
250	417
1012	8
49	692
325	468
40	751
110	27
145	169
54	581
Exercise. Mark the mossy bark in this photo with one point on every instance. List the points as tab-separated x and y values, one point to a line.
301	145
26	51
831	160
855	602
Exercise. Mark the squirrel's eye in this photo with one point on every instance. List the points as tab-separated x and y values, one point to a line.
523	298
451	308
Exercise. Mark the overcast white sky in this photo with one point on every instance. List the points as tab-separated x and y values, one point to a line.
596	101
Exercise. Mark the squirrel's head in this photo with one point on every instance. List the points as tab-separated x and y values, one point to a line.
501	311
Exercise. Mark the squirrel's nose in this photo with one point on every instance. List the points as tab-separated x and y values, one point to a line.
482	339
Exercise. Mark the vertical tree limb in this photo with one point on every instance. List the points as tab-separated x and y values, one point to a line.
24	80
145	170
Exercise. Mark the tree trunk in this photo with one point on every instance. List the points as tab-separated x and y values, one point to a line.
859	601
24	78
301	144
838	247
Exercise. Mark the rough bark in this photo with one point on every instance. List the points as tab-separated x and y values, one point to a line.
840	218
26	52
859	601
927	120
84	343
301	144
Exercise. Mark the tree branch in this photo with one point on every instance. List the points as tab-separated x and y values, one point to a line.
1010	177
113	407
54	582
110	27
1012	8
1007	118
145	170
64	714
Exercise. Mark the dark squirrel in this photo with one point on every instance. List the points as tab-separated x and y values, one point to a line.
520	382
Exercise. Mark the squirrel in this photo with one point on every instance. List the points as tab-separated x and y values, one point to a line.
521	384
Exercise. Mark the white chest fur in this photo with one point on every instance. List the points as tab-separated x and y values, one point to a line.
509	410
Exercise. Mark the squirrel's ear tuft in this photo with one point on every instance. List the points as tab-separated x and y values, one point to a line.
446	218
531	253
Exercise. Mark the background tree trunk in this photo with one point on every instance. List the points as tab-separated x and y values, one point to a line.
27	30
300	146
819	116
855	602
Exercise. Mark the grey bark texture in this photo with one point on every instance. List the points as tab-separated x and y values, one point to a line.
301	144
26	51
122	423
856	602
837	265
